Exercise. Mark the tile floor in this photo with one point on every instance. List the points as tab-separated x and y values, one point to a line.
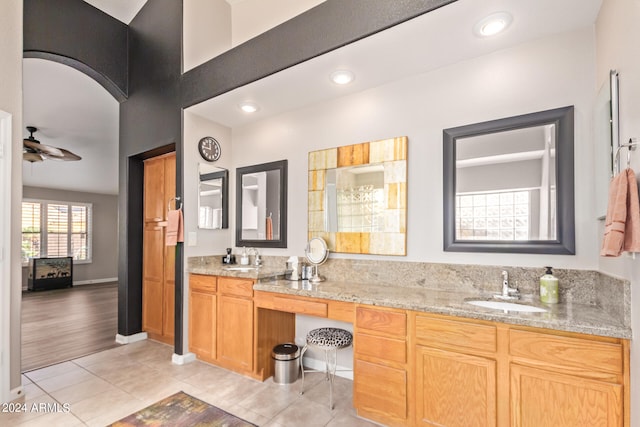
104	387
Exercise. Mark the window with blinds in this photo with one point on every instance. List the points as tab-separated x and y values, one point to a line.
56	229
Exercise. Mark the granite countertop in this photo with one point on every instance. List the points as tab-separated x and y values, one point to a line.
237	270
570	317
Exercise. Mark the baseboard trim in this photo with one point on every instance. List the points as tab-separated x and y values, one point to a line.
85	282
128	339
92	281
16	393
182	359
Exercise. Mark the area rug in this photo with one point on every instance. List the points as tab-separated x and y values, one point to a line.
181	410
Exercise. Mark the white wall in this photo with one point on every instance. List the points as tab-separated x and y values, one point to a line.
206	31
544	74
253	17
212	27
207	242
11	103
617	35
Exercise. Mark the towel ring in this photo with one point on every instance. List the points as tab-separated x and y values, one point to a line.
176	200
630	146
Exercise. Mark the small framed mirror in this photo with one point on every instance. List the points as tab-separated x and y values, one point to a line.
509	185
261	205
316	253
213	197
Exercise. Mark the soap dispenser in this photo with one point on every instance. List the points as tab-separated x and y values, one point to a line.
549	287
244	258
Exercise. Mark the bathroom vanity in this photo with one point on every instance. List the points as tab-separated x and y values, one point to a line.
426	357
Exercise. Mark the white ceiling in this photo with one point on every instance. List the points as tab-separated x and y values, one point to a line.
71	111
76	113
123	10
428	42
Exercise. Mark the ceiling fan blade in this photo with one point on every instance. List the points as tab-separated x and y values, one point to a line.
32	157
66	155
37	147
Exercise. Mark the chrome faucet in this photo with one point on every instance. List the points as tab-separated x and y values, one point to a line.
258	258
508	293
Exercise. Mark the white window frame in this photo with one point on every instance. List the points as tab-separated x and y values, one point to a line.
44	233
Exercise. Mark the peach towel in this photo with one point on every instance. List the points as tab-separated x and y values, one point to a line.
622	226
175	230
269	228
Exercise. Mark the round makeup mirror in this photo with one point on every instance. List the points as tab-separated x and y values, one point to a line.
316	253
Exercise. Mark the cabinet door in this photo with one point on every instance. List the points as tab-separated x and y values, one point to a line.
541	398
454	389
152	279
235	332
154	182
202	324
168	318
381	391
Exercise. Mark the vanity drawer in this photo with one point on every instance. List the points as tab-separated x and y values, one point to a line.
566	352
382	348
434	331
202	283
236	287
312	308
385	321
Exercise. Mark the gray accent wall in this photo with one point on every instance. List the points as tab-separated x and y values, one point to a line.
104	265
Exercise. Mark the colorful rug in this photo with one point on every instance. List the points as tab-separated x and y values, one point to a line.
181	410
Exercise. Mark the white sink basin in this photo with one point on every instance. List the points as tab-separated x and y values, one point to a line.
243	269
507	306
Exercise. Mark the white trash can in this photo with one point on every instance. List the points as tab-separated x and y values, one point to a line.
286	358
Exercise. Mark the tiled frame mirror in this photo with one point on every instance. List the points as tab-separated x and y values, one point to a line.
358	197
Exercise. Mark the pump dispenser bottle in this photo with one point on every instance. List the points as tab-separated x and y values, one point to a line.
549	287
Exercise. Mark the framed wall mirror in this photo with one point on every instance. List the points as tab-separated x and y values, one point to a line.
358	197
261	205
509	185
213	197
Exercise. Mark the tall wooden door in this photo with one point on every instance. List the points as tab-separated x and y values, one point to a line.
158	262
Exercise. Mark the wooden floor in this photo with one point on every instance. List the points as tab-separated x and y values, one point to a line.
64	324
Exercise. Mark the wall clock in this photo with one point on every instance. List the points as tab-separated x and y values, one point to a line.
209	149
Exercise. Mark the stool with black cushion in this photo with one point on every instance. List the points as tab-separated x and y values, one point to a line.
329	340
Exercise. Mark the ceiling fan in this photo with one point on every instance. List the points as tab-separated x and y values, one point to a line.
34	151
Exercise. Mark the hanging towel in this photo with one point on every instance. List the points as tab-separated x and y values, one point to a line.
269	228
622	225
175	230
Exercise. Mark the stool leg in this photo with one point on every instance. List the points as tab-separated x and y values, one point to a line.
331	372
302	368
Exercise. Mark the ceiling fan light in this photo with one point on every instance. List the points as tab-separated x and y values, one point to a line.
32	157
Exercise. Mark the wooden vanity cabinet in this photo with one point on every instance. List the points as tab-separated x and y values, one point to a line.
380	380
235	324
567	380
221	321
202	316
479	373
456	373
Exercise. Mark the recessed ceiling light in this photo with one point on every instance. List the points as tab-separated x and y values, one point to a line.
492	24
342	77
249	107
